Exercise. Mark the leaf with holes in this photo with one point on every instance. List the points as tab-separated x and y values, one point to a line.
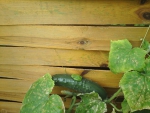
123	58
91	103
136	88
38	100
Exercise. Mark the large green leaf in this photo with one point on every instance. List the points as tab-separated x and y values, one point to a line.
147	67
136	89
38	99
125	106
91	103
123	58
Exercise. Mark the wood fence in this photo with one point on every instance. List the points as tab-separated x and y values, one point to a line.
67	36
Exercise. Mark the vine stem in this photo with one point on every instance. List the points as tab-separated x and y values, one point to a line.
119	110
72	104
145	36
114	96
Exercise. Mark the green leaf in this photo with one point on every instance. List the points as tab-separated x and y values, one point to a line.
91	103
37	99
125	106
76	77
123	58
146	45
136	89
147	67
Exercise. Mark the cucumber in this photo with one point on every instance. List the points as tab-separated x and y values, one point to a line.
83	86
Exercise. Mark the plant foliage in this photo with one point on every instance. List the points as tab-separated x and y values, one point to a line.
135	85
38	100
91	103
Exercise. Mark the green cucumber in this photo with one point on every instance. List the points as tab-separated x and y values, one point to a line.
83	86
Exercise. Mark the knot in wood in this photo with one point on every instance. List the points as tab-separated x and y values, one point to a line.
83	42
146	15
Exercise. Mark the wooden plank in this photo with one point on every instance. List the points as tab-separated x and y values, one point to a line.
15	90
18	96
14	107
55	57
34	72
72	12
69	37
29	74
9	107
23	76
21	86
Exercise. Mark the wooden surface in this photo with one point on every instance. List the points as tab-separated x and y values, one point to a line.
72	12
16	80
69	37
54	57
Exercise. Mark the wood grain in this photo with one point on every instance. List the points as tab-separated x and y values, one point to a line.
15	107
55	57
32	73
10	107
72	12
69	37
22	86
16	80
18	96
25	75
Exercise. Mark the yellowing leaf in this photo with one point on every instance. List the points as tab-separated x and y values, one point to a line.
123	58
38	99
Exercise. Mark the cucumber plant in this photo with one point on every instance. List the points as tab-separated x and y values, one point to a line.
134	85
82	86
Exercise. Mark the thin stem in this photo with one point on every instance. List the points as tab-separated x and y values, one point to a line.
114	96
145	36
72	104
119	110
69	93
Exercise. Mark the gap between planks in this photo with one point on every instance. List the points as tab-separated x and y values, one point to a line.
31	73
14	90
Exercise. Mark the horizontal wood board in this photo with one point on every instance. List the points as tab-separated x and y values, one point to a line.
16	80
55	57
69	37
15	12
